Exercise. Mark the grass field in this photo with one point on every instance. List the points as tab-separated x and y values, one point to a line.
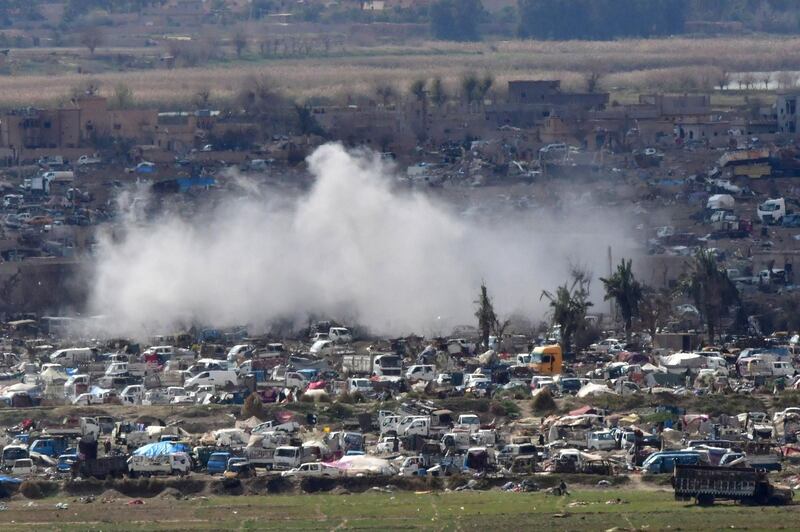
627	65
584	510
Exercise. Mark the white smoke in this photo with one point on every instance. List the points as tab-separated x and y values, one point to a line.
353	246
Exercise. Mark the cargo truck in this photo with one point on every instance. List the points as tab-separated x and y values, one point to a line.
706	484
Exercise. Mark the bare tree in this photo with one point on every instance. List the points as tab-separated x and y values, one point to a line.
593	78
786	80
723	79
765	78
202	97
239	42
749	80
385	92
91	38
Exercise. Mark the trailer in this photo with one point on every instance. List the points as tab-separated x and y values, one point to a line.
706	484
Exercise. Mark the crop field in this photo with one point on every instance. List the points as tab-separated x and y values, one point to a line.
495	510
626	65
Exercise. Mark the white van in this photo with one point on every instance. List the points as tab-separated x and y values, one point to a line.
220	378
421	373
74	355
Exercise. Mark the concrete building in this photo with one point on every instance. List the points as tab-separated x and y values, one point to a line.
531	102
76	126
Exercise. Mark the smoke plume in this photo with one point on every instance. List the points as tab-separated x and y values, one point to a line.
352	247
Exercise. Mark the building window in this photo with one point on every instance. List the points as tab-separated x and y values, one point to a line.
117	127
47	125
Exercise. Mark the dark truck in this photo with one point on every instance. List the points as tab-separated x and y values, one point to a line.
743	484
105	467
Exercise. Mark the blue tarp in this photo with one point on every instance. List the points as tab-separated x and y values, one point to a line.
5	479
161	448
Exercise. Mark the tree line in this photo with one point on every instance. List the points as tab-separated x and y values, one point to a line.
638	306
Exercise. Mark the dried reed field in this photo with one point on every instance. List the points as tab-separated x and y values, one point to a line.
626	65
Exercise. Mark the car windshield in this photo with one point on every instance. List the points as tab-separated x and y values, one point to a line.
769	207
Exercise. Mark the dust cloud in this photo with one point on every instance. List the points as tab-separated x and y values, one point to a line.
353	247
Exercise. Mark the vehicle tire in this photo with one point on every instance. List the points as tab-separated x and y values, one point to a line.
705	500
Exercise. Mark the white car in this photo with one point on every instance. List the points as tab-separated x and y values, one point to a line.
87	399
313	469
609	345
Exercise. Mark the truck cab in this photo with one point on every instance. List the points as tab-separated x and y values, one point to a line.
218	462
772	211
601	440
547	359
287	457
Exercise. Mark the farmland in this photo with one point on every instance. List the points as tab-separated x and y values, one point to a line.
586	510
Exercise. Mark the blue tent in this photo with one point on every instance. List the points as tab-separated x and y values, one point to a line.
161	448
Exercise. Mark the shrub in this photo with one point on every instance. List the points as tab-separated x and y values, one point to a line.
38	489
253	407
543	402
31	490
498	409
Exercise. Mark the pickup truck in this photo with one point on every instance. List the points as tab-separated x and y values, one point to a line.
708	483
314	469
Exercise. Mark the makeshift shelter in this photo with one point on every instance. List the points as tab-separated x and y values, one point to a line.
161	448
720	202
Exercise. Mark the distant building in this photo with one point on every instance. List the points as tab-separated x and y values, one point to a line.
531	102
74	127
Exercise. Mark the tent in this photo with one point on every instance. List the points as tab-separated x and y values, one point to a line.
364	464
594	389
682	361
720	202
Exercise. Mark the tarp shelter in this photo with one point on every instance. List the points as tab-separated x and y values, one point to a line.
680	361
720	202
594	389
364	464
161	448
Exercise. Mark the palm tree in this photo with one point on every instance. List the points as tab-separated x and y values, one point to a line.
709	288
626	291
485	314
569	305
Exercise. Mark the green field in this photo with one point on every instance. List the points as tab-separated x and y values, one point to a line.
583	510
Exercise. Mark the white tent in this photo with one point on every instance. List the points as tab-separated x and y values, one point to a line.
683	361
720	202
364	464
594	389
